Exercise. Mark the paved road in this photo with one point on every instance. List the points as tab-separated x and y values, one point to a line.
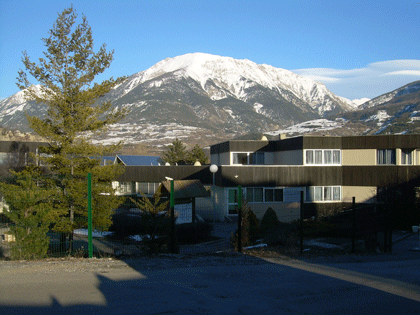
211	285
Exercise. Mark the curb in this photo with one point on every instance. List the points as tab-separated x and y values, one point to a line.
401	238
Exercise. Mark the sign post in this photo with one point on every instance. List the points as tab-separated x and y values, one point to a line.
240	219
90	247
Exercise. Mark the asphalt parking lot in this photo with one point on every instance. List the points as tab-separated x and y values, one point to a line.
224	283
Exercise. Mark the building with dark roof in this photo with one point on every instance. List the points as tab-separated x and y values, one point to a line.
328	171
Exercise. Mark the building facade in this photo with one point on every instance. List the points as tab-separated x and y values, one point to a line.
330	171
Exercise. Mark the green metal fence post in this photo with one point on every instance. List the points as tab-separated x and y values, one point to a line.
172	205
90	247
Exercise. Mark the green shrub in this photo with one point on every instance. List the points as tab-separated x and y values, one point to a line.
269	221
250	228
31	242
30	214
124	225
155	221
254	231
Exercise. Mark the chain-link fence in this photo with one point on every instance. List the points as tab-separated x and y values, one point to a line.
28	228
353	227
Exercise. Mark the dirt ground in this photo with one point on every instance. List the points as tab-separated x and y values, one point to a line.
163	261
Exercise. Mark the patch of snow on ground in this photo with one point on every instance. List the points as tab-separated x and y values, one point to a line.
95	233
142	133
309	126
381	116
257	107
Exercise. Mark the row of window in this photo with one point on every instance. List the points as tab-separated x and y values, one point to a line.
323	193
322	157
263	194
248	158
145	188
312	157
326	157
388	157
270	195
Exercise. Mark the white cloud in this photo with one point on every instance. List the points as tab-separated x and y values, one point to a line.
373	80
321	78
404	72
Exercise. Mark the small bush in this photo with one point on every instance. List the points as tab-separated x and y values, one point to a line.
269	221
254	231
29	243
190	233
124	225
250	228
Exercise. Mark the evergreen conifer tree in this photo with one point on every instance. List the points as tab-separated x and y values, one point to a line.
75	113
176	153
29	210
197	154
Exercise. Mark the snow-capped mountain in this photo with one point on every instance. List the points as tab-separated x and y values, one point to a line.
395	112
13	109
204	96
385	98
224	77
223	94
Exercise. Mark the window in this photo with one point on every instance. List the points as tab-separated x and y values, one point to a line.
247	158
260	194
240	158
328	157
323	193
123	188
310	157
147	188
273	195
336	193
323	157
318	156
233	200
337	157
257	158
254	194
407	156
386	156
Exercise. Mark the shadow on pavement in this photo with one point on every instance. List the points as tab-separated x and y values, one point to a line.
223	283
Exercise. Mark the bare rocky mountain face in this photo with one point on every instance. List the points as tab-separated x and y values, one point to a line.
204	99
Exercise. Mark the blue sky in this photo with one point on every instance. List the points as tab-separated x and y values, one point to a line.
356	48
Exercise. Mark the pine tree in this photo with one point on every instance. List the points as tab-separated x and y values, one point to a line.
29	210
155	221
197	154
176	153
75	113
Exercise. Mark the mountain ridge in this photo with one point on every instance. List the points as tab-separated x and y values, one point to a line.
210	98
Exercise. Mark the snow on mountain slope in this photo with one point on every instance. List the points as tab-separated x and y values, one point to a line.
234	77
14	103
384	98
309	126
358	102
